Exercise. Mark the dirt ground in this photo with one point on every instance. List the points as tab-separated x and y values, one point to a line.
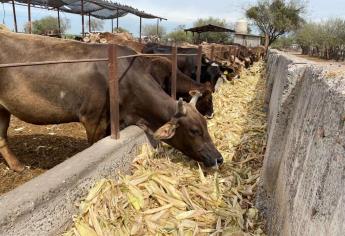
39	148
317	59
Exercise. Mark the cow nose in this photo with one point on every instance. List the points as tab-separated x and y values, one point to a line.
220	160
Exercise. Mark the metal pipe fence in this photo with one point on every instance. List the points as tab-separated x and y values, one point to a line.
113	79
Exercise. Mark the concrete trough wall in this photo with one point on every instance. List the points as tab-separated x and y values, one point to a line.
46	204
303	180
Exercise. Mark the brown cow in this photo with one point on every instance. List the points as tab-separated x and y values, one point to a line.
259	52
54	94
160	69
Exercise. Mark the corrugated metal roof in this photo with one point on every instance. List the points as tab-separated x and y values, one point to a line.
209	28
97	8
250	35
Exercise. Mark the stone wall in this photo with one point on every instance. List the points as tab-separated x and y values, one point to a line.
302	188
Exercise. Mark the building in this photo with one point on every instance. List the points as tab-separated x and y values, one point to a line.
248	40
242	37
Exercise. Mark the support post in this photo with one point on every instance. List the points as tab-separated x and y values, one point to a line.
173	72
114	93
157	31
89	23
112	25
59	22
29	17
140	30
82	18
198	66
14	16
117	20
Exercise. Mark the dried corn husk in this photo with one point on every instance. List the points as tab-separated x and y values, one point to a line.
167	194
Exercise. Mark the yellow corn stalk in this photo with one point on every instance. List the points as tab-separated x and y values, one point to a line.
168	194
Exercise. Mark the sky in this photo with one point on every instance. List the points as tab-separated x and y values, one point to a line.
178	12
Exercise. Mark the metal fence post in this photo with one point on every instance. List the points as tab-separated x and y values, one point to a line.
173	72
212	52
114	93
221	53
198	65
229	56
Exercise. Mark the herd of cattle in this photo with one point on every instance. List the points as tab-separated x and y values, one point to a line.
54	94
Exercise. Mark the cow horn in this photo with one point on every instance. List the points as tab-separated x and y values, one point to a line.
181	110
195	96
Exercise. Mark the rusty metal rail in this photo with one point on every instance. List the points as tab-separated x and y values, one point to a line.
113	80
41	63
155	55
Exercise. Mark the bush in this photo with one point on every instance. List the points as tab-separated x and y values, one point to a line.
325	39
48	23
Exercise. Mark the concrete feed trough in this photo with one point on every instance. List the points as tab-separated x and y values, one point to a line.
303	179
44	205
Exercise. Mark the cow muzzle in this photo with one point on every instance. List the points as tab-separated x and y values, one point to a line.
209	116
219	162
212	159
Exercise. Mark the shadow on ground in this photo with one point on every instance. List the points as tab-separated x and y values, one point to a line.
39	152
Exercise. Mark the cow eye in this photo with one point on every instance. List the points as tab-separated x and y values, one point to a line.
195	131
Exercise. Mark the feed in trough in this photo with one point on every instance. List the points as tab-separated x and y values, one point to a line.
169	195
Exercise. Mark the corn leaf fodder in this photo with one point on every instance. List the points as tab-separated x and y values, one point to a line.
168	194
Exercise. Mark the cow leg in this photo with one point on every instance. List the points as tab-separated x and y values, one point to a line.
95	130
5	151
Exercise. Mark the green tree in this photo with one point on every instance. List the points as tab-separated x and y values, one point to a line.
276	17
178	35
212	37
324	39
305	36
48	23
284	42
151	30
96	24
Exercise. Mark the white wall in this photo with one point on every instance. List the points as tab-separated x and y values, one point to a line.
247	40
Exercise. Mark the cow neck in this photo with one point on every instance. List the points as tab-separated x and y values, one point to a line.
188	84
152	104
159	112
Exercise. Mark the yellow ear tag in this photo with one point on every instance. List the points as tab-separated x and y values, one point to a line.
225	72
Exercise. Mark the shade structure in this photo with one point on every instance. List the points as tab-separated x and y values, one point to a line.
97	8
209	28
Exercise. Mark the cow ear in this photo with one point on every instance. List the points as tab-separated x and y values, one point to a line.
208	85
167	131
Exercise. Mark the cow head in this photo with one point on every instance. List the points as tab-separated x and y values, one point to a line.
202	100
187	131
228	72
210	72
